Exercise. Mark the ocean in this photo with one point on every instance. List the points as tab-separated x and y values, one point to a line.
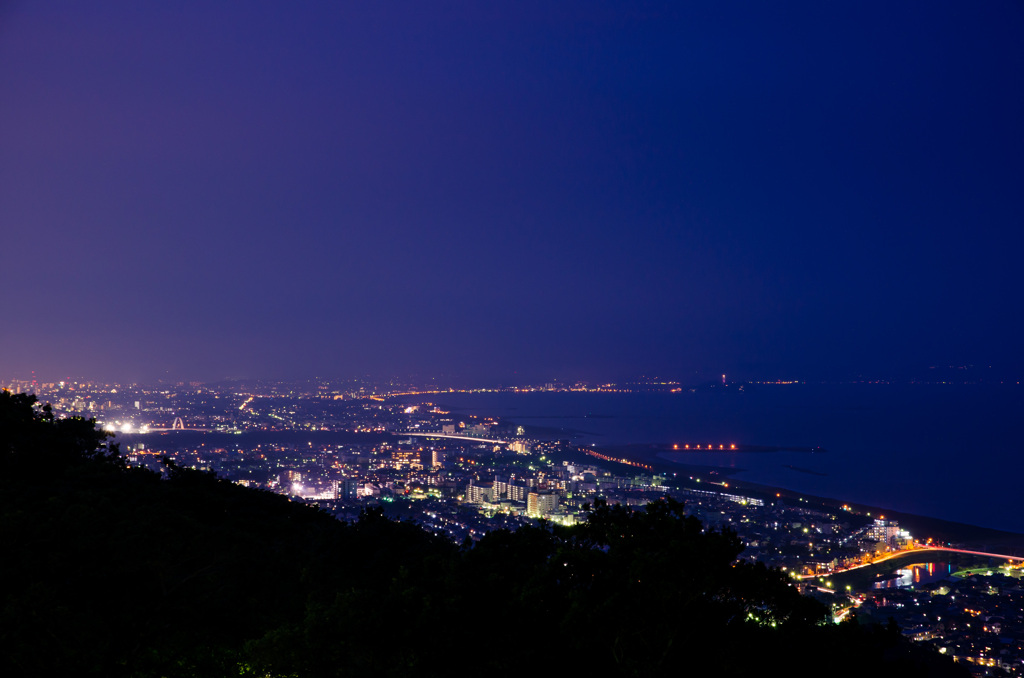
950	451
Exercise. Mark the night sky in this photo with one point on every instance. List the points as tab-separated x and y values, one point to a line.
509	191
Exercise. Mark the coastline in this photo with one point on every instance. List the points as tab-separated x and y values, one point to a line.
941	530
943	450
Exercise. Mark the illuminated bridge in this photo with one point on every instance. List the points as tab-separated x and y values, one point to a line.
176	425
454	436
920	548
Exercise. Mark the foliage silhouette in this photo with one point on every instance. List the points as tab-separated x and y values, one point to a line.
116	571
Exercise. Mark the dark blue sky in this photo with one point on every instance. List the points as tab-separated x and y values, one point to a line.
509	191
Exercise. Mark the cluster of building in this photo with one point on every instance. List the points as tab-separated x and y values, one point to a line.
975	616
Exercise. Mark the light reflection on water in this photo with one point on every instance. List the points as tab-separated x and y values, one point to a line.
916	575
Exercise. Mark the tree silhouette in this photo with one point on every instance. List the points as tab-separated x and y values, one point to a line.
33	439
110	570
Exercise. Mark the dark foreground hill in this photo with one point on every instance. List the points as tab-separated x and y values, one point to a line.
115	571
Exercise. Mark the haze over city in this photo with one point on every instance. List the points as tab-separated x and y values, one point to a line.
509	191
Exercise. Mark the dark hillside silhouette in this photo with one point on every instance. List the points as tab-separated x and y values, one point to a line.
116	571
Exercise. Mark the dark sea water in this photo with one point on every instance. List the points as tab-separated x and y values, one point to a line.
948	451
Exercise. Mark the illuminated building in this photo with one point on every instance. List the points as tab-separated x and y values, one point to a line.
519	446
504	489
539	504
406	459
436	458
884	531
476	494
